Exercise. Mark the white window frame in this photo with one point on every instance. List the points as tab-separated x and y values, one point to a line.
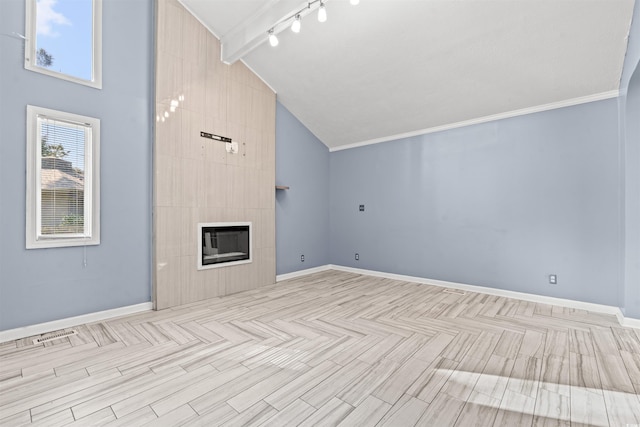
30	47
91	235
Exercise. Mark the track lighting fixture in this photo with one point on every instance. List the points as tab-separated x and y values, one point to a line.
273	40
295	25
296	19
322	13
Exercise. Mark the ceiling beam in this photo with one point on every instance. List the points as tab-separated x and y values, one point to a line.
253	31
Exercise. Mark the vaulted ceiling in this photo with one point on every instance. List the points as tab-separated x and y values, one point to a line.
389	68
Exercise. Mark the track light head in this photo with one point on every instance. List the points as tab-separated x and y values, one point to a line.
296	19
322	12
295	25
273	40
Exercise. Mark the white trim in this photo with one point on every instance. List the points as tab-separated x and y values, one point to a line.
562	302
204	24
208	28
493	117
275	92
300	273
41	328
629	322
96	48
599	308
201	225
91	235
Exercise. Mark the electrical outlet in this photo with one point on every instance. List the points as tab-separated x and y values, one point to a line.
361	208
553	279
357	257
301	258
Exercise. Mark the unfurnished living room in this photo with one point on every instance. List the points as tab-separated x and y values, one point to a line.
320	213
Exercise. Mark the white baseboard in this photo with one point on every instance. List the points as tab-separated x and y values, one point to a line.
562	302
55	325
41	328
629	322
300	273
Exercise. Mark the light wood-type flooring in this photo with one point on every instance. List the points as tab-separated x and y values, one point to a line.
332	348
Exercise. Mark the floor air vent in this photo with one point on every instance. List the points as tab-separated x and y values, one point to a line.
454	291
54	336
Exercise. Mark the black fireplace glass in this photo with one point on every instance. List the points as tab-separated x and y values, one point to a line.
221	244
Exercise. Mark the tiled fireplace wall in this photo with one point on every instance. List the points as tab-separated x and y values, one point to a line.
195	179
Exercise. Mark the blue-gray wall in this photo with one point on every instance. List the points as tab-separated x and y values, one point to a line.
302	212
631	134
632	170
500	204
48	284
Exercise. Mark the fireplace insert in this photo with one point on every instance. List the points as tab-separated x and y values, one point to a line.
224	244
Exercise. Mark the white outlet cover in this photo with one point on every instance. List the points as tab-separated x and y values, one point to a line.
232	147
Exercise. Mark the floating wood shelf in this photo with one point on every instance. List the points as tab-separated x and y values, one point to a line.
282	187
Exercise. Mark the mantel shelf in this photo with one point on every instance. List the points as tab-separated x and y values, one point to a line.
282	187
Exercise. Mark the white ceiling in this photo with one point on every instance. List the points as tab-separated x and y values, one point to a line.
386	68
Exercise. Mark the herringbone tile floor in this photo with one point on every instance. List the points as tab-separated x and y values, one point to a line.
332	348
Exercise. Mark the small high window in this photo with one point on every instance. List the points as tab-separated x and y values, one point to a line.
62	179
64	39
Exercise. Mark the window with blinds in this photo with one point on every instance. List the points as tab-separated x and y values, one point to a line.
62	190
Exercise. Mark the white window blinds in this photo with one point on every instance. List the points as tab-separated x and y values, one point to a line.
63	180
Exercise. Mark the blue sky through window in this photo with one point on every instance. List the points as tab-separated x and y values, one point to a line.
64	28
